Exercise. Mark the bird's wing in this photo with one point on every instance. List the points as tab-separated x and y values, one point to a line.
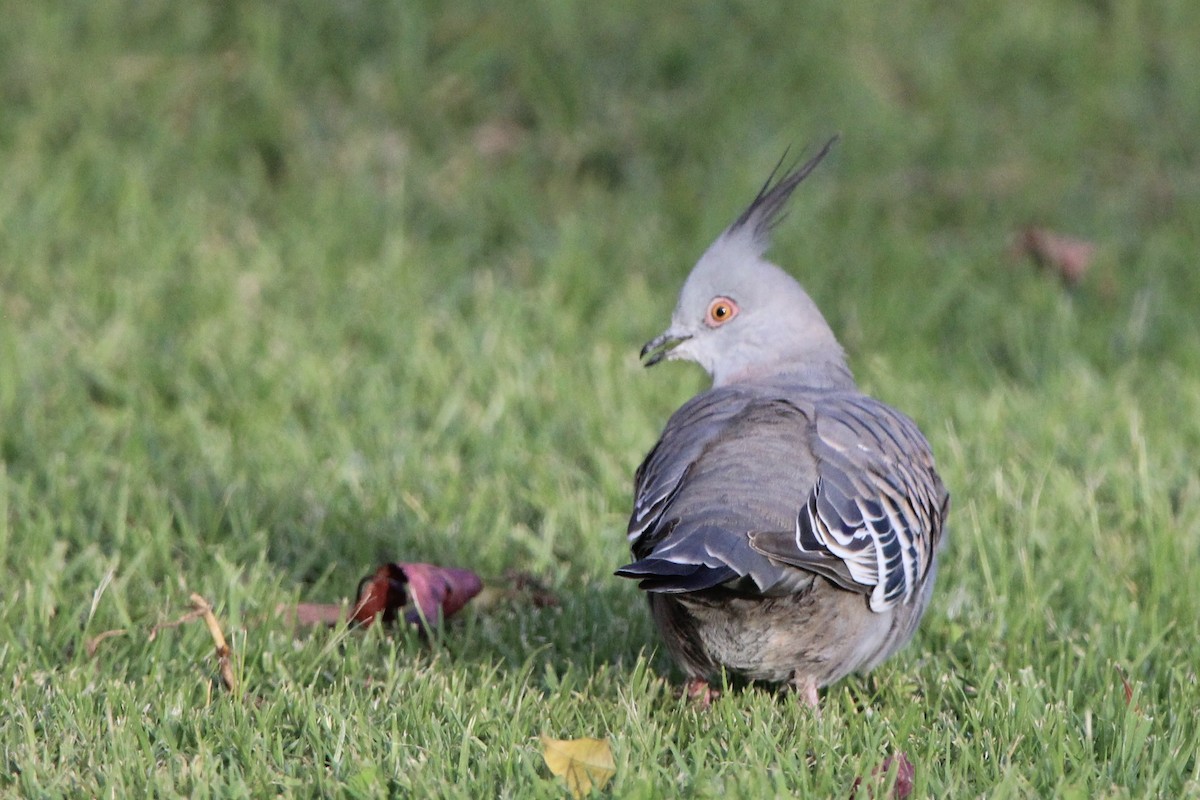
731	461
873	521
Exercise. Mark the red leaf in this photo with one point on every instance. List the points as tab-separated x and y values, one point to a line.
437	592
904	770
380	593
1066	255
426	593
423	594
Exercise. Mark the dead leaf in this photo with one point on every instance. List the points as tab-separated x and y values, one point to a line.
214	630
202	610
700	692
426	593
532	588
497	138
423	594
162	626
896	764
518	588
381	592
905	772
583	763
1127	687
93	644
1067	256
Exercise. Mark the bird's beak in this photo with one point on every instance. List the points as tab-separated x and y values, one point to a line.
661	346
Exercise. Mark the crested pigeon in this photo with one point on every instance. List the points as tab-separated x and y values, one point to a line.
785	527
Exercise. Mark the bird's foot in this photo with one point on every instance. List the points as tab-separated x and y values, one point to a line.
806	690
701	693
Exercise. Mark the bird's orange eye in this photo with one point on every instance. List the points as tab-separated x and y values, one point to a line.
720	311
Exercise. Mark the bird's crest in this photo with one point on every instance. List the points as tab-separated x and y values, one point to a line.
764	212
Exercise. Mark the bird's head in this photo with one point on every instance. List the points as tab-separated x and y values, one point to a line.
740	316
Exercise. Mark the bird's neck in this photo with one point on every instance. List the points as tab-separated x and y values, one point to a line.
831	373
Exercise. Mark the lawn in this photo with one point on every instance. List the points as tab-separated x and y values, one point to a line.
289	290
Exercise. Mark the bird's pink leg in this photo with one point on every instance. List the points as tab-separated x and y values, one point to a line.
698	691
806	689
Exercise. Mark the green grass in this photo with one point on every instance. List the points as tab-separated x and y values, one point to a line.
290	289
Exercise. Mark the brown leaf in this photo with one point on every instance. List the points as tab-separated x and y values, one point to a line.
896	764
529	586
380	593
497	138
426	593
162	626
700	692
905	772
200	610
93	644
421	594
1127	687
518	588
1067	256
583	763
214	630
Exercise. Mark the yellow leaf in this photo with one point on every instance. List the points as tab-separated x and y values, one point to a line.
582	763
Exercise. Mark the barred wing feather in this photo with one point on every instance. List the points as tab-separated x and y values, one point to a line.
874	517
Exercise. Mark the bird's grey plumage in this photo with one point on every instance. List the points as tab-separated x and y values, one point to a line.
785	526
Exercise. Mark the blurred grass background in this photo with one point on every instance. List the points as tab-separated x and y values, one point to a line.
290	289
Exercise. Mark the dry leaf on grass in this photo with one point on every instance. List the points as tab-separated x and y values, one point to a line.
583	763
531	588
421	594
498	138
702	693
163	626
200	610
518	588
426	593
1067	256
896	764
1127	688
1125	684
93	644
223	650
